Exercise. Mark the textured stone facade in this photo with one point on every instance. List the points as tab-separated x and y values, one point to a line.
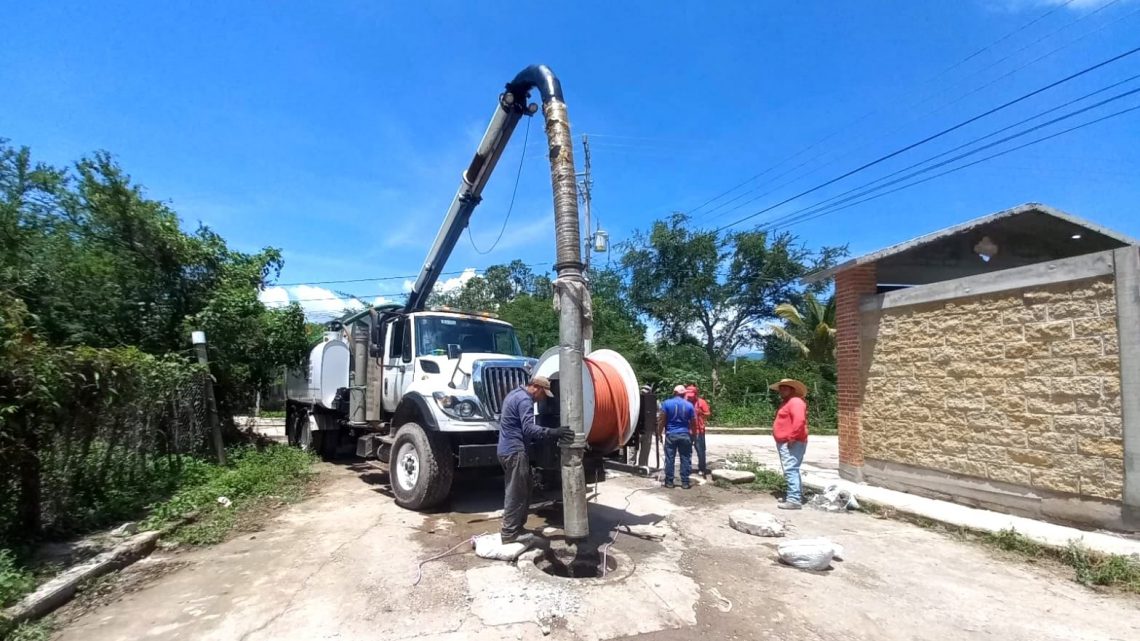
1021	387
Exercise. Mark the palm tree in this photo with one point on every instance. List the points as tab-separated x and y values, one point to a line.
811	331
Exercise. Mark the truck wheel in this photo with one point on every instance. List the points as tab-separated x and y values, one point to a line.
421	467
291	424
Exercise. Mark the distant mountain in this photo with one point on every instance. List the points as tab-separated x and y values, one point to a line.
747	356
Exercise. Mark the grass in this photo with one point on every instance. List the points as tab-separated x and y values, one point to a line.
29	631
15	580
252	478
768	481
1090	568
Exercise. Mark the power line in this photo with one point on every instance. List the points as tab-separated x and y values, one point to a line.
511	207
1038	58
782	223
989	135
935	136
385	278
852	123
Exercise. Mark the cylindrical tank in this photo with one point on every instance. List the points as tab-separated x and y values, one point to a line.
611	399
325	373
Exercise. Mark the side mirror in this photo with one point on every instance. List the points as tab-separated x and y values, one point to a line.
454	351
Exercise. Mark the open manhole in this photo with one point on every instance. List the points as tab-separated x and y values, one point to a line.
568	563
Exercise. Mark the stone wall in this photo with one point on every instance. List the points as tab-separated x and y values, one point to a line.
1020	387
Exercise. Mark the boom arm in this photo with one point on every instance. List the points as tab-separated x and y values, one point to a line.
512	106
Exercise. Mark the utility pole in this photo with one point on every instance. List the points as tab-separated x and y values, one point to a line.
199	341
584	192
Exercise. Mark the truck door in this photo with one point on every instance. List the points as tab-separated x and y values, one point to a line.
397	362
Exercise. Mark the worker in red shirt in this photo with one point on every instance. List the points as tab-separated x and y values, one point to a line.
701	408
791	434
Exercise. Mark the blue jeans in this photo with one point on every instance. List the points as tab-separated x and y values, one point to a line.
699	446
791	456
674	444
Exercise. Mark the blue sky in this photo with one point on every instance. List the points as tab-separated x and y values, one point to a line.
337	131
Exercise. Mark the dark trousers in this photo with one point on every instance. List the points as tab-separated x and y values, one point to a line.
516	500
678	444
699	446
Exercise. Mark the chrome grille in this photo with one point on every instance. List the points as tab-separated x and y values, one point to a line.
494	382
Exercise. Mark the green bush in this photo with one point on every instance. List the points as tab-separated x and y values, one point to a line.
15	581
251	474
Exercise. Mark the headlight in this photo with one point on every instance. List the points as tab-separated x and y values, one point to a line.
465	409
457	407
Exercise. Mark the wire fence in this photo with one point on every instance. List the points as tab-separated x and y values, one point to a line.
91	436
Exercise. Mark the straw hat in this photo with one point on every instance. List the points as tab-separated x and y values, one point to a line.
800	388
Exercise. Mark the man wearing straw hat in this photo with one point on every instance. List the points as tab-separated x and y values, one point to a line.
790	431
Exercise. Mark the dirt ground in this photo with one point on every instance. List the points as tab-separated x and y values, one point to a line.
343	565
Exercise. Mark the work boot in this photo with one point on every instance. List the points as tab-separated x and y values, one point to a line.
686	486
669	484
788	505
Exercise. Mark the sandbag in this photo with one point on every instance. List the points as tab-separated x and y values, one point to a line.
809	554
491	546
835	498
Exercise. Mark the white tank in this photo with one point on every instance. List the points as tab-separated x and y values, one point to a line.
325	373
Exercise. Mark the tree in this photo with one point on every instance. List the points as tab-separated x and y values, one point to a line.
719	288
811	331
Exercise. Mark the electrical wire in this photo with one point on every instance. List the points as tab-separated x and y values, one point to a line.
384	278
782	224
930	112
420	565
1024	132
854	122
935	136
511	207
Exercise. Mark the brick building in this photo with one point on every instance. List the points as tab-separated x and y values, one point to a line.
996	363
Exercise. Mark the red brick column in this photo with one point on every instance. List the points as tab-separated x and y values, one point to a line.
851	285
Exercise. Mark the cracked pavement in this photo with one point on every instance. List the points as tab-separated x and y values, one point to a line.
341	565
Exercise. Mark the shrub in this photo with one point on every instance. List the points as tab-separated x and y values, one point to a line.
15	581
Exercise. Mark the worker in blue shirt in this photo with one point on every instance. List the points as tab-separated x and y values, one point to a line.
677	420
517	430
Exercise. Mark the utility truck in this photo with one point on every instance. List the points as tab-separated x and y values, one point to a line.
421	390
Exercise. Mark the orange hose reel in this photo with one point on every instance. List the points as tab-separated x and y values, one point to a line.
610	397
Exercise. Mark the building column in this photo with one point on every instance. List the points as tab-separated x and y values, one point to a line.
851	285
1127	267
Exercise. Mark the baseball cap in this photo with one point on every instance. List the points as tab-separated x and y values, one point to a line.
544	383
680	389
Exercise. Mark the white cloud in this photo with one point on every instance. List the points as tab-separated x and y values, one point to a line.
447	284
455	282
274	297
316	301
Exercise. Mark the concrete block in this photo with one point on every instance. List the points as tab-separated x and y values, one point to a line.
733	476
756	523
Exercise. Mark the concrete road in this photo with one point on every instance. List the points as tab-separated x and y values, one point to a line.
822	450
343	565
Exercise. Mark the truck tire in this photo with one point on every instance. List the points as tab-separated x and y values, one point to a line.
291	424
421	467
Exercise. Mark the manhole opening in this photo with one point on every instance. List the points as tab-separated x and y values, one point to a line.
566	564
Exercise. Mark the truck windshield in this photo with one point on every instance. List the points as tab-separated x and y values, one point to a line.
434	333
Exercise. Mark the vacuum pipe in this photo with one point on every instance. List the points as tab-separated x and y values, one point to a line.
570	287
